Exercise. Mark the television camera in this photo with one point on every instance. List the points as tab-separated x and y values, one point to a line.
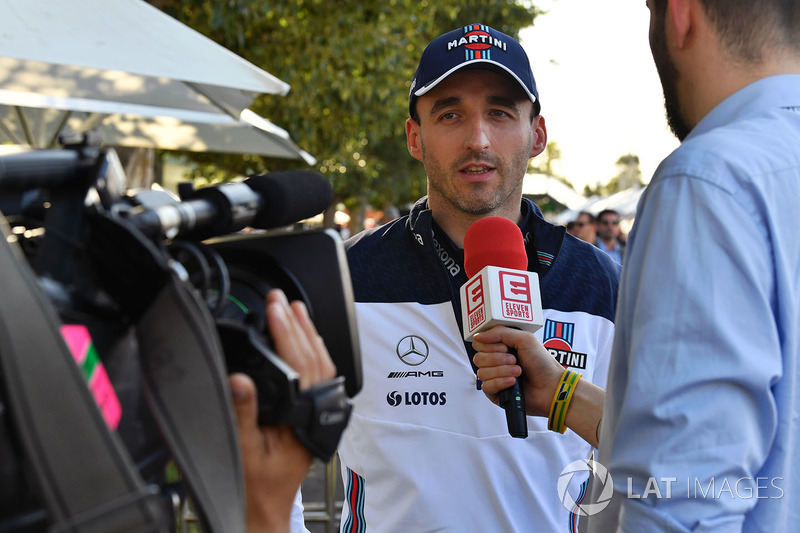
170	294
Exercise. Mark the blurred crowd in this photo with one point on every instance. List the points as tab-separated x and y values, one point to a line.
602	231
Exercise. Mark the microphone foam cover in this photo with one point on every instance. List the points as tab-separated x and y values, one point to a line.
290	196
494	241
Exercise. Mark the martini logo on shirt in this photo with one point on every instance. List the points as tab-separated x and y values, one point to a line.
558	337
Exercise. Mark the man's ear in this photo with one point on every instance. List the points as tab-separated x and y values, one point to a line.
539	136
679	16
413	139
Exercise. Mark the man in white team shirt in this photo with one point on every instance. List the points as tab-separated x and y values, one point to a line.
424	450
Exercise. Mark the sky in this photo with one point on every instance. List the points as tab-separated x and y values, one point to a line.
599	90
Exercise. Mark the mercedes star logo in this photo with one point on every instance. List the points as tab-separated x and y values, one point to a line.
412	350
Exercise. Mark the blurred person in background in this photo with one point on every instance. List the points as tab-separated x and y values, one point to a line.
586	227
609	236
571	228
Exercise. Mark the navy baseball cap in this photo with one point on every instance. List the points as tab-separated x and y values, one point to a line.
473	46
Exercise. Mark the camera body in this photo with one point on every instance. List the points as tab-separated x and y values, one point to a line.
103	258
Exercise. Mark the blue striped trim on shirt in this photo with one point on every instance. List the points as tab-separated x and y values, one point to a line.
573	515
354	492
544	258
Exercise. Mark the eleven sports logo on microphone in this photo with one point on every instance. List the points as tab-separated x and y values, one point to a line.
501	296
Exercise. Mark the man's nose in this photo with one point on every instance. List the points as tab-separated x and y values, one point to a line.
478	135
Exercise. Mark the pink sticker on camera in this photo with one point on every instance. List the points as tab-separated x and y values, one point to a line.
80	344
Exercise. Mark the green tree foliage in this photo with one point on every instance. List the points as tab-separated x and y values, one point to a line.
630	175
543	164
350	65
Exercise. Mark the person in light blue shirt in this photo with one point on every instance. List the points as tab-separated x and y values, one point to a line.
700	424
703	393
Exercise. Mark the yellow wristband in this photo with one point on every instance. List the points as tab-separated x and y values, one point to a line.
561	399
553	404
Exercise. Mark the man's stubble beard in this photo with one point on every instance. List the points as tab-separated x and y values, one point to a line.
474	204
669	76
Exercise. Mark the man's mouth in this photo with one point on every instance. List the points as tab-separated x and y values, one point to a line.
476	169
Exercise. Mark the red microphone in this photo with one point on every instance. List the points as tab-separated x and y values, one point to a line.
500	291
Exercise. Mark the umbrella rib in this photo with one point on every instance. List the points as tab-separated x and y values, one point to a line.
64	117
196	87
8	133
93	120
26	127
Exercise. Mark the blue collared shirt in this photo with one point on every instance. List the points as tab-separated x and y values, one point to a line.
701	429
615	251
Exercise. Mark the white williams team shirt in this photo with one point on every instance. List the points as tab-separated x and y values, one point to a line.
425	450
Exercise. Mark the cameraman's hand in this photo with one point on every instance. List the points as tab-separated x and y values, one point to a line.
275	463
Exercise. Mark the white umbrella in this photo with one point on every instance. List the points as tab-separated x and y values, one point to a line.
122	51
136	75
39	127
251	134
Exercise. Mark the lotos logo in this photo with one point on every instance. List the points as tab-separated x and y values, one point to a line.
558	337
477	41
396	398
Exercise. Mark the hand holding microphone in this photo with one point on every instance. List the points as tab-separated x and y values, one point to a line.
500	291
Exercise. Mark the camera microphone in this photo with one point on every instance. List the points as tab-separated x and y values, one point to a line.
500	291
289	196
262	201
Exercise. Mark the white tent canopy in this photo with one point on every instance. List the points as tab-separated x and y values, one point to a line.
623	202
537	184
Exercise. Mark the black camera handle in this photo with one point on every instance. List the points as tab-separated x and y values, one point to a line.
86	476
88	479
317	415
